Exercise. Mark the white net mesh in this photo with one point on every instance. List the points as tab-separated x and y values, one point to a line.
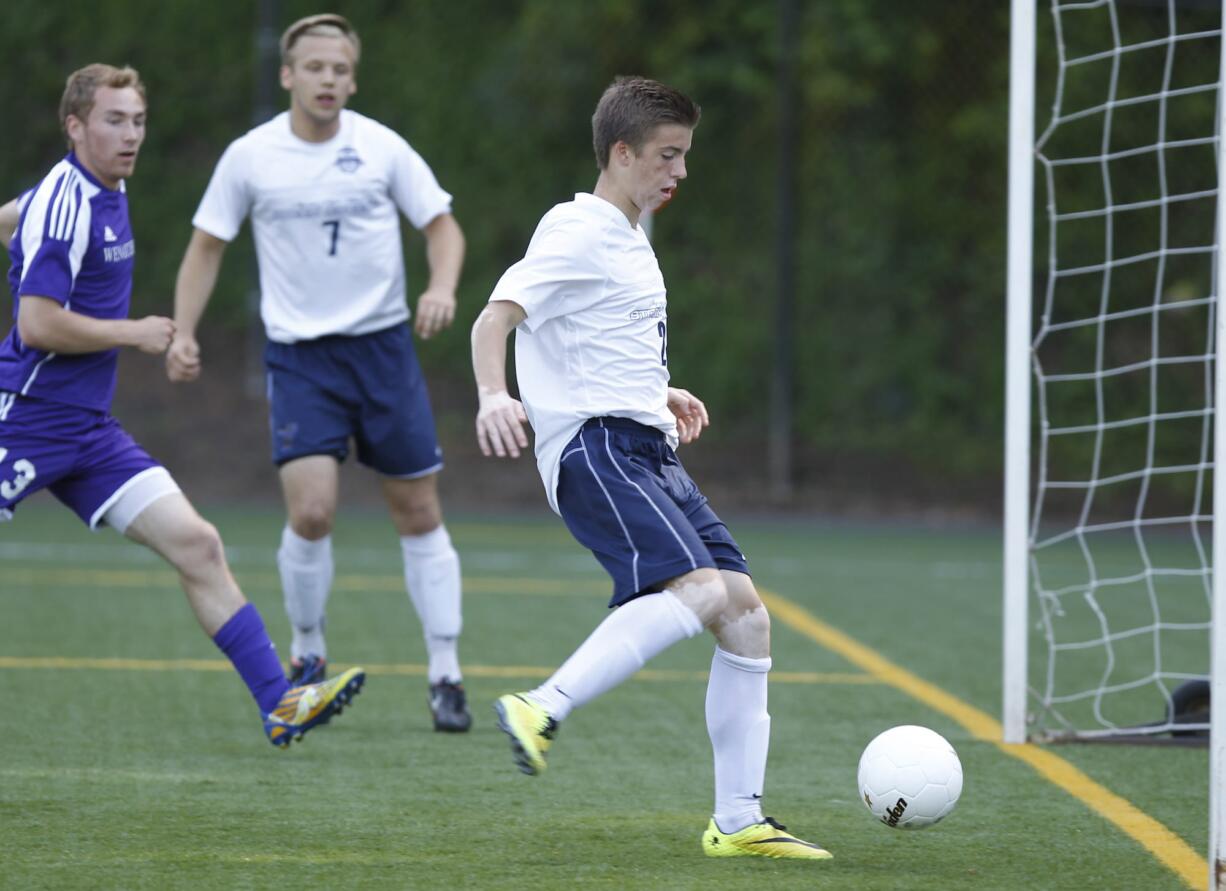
1123	365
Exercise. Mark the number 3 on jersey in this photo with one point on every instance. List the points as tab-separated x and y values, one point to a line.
335	226
663	329
25	475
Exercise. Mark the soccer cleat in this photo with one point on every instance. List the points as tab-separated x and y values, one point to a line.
765	839
310	669
449	706
302	708
531	730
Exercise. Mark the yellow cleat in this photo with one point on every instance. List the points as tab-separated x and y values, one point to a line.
302	708
765	839
531	730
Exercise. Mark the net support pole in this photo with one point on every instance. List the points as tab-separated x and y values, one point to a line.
1017	365
1217	691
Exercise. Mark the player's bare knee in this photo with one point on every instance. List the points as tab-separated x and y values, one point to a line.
199	550
744	626
703	591
311	521
415	510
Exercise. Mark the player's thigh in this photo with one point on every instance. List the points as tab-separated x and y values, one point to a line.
614	501
170	526
311	488
312	406
395	433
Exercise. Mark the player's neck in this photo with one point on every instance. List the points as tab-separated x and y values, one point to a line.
309	129
86	163
608	190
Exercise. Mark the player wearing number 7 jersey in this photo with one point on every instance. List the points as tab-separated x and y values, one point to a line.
588	307
324	188
73	253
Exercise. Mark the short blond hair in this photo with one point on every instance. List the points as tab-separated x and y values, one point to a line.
325	24
82	86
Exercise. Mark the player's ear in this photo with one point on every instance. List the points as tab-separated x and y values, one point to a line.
74	127
287	77
622	153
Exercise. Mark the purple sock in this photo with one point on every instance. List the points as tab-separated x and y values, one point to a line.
244	639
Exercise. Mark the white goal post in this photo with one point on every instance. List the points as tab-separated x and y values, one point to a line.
1114	421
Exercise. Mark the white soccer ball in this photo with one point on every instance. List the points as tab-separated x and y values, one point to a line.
910	777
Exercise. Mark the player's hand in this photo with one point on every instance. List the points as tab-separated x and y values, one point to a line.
435	311
500	425
690	413
152	334
183	359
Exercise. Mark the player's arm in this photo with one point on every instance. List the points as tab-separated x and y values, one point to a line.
690	413
500	417
193	287
44	324
10	215
444	256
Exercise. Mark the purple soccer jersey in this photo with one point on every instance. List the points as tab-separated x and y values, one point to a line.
74	245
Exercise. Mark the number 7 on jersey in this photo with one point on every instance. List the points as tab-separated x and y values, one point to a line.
335	225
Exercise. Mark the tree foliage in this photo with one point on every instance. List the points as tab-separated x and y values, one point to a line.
901	118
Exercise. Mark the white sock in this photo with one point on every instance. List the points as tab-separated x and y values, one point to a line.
740	730
621	645
432	577
306	579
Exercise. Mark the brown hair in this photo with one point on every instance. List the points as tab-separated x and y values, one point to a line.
83	84
325	24
631	108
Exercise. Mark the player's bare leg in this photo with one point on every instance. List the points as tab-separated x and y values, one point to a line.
310	486
739	727
432	578
171	527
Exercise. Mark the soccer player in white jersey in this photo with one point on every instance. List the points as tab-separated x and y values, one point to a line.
73	254
587	304
325	187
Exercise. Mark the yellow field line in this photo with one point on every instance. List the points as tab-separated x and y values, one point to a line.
478	671
1168	848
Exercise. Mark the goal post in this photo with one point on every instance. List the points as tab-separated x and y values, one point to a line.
1017	365
1114	423
1217	699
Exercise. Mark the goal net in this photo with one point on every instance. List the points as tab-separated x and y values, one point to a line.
1122	360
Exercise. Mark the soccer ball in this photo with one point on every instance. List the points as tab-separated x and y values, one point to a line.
910	777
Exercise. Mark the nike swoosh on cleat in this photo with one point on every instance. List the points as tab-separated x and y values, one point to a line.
793	841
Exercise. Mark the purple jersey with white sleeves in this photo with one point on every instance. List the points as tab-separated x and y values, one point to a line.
74	245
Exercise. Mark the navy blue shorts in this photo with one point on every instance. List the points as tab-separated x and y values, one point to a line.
83	457
370	387
625	497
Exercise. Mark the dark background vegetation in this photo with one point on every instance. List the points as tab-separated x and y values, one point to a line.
901	117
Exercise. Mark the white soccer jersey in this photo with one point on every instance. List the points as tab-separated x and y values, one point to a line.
325	221
595	340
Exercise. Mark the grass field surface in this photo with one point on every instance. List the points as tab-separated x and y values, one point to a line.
133	758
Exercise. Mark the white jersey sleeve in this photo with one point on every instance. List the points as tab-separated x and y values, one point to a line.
562	272
227	200
414	187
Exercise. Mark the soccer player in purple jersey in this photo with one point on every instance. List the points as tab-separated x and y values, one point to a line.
72	256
